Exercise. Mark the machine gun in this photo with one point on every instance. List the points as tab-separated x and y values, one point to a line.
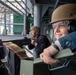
65	57
21	42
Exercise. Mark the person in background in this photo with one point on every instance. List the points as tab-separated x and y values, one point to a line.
38	42
63	22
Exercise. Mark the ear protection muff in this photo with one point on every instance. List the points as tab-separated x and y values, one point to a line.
72	26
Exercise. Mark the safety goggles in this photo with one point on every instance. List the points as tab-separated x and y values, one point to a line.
60	23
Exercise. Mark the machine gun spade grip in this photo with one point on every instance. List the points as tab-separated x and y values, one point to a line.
65	57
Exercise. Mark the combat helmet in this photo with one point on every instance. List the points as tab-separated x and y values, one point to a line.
64	12
35	28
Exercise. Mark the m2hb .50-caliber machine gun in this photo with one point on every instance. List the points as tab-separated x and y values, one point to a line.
65	56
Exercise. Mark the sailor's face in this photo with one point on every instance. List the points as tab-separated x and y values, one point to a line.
60	29
32	33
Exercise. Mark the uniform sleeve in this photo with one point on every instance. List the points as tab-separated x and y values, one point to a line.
68	41
30	46
43	42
